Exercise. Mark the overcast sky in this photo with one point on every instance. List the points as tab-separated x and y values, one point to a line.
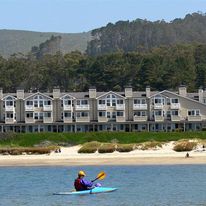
73	16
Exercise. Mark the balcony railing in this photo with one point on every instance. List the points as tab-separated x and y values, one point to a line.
9	108
82	119
140	118
158	106
175	105
102	107
82	107
120	119
29	108
194	118
102	119
47	107
158	118
9	120
120	107
140	106
29	120
67	107
47	119
175	118
67	119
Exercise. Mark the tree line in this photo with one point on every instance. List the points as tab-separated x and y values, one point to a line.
165	67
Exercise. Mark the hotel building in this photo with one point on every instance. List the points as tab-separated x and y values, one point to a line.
103	111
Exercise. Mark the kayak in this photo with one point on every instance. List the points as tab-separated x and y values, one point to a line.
92	191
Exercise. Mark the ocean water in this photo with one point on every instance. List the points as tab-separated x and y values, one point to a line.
176	185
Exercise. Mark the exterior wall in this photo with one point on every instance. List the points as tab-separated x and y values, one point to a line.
94	122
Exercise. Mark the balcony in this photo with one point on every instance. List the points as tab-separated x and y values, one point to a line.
67	119
67	107
139	106
158	106
102	119
158	118
47	119
175	118
10	120
82	107
194	118
102	107
29	108
29	120
120	107
47	108
120	119
9	108
175	106
140	118
82	119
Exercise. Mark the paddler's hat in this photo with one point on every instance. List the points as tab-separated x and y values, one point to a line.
81	173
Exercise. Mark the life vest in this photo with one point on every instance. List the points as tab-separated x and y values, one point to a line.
78	185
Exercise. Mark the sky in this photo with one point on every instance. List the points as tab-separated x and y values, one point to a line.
73	16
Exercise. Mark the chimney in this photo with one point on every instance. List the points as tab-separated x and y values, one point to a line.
20	93
128	91
148	91
182	91
92	93
200	94
56	93
1	93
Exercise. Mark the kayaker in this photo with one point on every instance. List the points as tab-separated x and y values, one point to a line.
81	184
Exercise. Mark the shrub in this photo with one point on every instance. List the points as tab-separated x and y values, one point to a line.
90	147
106	148
184	146
150	145
125	147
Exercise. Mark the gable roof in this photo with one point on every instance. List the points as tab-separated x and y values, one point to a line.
38	93
111	92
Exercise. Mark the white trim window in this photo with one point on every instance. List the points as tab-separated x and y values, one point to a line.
82	102
9	102
38	101
102	114
140	113
194	112
82	114
29	115
47	114
140	101
120	114
38	115
174	112
111	100
174	101
67	101
102	102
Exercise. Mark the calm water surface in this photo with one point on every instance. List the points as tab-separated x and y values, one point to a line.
137	185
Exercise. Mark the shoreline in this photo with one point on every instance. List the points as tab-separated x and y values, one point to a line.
70	157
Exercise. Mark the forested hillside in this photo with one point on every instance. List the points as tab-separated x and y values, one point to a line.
141	35
13	41
161	68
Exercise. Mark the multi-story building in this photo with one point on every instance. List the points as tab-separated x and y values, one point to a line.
103	111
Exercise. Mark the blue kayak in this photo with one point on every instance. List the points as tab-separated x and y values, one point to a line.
92	191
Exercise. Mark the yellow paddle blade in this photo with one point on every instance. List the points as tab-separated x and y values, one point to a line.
101	175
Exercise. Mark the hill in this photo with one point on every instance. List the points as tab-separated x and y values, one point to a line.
15	41
142	35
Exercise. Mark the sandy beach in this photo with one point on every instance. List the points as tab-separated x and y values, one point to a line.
70	157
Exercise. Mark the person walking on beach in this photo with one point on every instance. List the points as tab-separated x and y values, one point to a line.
81	184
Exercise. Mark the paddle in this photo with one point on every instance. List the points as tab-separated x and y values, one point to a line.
100	176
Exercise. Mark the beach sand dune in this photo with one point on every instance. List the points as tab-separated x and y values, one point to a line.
69	156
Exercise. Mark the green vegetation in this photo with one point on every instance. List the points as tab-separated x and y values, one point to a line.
32	139
142	35
90	147
106	148
125	147
14	41
150	145
26	150
184	146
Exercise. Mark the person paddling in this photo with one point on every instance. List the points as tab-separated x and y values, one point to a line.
81	184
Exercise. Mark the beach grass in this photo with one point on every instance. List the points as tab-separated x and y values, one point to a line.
32	139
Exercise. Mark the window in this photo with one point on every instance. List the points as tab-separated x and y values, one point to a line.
139	101
9	115
82	114
120	114
29	103
120	101
175	112
194	112
175	101
108	115
29	115
102	114
158	113
140	113
47	102
102	101
47	114
113	115
67	114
